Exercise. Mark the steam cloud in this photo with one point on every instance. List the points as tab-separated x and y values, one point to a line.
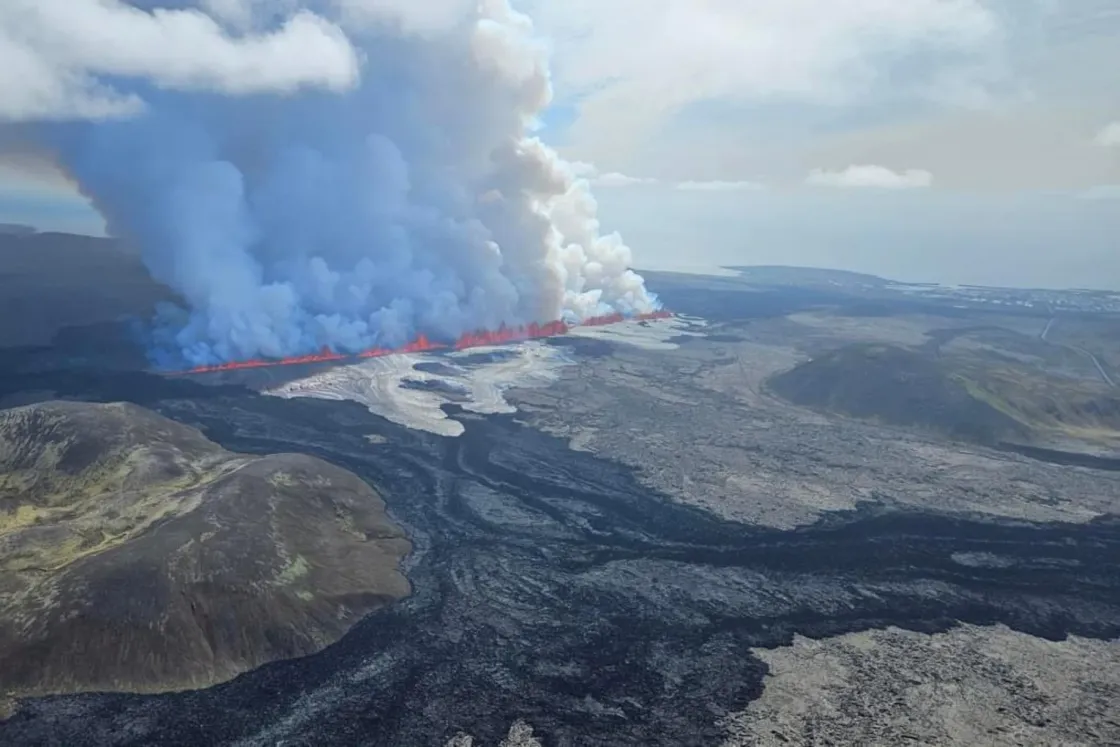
345	174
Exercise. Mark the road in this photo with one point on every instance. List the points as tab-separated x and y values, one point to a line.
1046	331
1097	363
1100	369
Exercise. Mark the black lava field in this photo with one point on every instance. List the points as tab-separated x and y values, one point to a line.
549	585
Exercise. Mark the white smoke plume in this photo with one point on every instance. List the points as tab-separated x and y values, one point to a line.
339	173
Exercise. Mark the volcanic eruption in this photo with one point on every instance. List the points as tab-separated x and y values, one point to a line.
421	344
338	175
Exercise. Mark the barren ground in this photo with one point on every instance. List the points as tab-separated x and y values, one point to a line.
968	686
697	423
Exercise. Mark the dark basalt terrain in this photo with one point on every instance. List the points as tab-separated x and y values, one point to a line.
550	586
136	555
566	592
450	390
895	386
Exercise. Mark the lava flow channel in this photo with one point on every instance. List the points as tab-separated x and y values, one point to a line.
482	338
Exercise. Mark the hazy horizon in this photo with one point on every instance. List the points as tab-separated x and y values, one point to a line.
972	142
727	269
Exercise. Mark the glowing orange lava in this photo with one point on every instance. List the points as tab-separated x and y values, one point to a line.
422	344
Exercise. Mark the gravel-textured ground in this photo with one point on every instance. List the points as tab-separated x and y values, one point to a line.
553	587
638	589
968	686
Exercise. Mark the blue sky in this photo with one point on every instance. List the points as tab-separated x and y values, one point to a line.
941	140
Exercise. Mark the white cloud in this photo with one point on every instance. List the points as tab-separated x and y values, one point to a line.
54	52
615	179
1045	145
238	13
718	186
635	62
414	16
590	172
584	170
1109	135
870	176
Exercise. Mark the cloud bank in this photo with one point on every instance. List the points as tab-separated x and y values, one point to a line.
615	179
599	178
337	173
1109	136
56	56
633	66
870	176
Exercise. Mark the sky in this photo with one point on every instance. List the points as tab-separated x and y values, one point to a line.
957	141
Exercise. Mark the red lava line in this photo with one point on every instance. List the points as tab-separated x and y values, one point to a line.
422	344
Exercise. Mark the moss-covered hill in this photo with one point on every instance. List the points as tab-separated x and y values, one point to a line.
136	555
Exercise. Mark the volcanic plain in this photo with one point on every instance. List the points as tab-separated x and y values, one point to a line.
646	535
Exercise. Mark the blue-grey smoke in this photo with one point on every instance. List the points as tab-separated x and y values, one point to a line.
412	199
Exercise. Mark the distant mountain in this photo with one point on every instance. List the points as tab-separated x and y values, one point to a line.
136	555
16	229
50	281
801	276
895	386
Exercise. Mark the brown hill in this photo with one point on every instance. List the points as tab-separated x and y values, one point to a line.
896	386
136	555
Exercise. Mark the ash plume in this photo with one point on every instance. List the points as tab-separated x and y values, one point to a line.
340	173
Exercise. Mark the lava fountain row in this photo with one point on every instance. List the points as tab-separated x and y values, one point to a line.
482	338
